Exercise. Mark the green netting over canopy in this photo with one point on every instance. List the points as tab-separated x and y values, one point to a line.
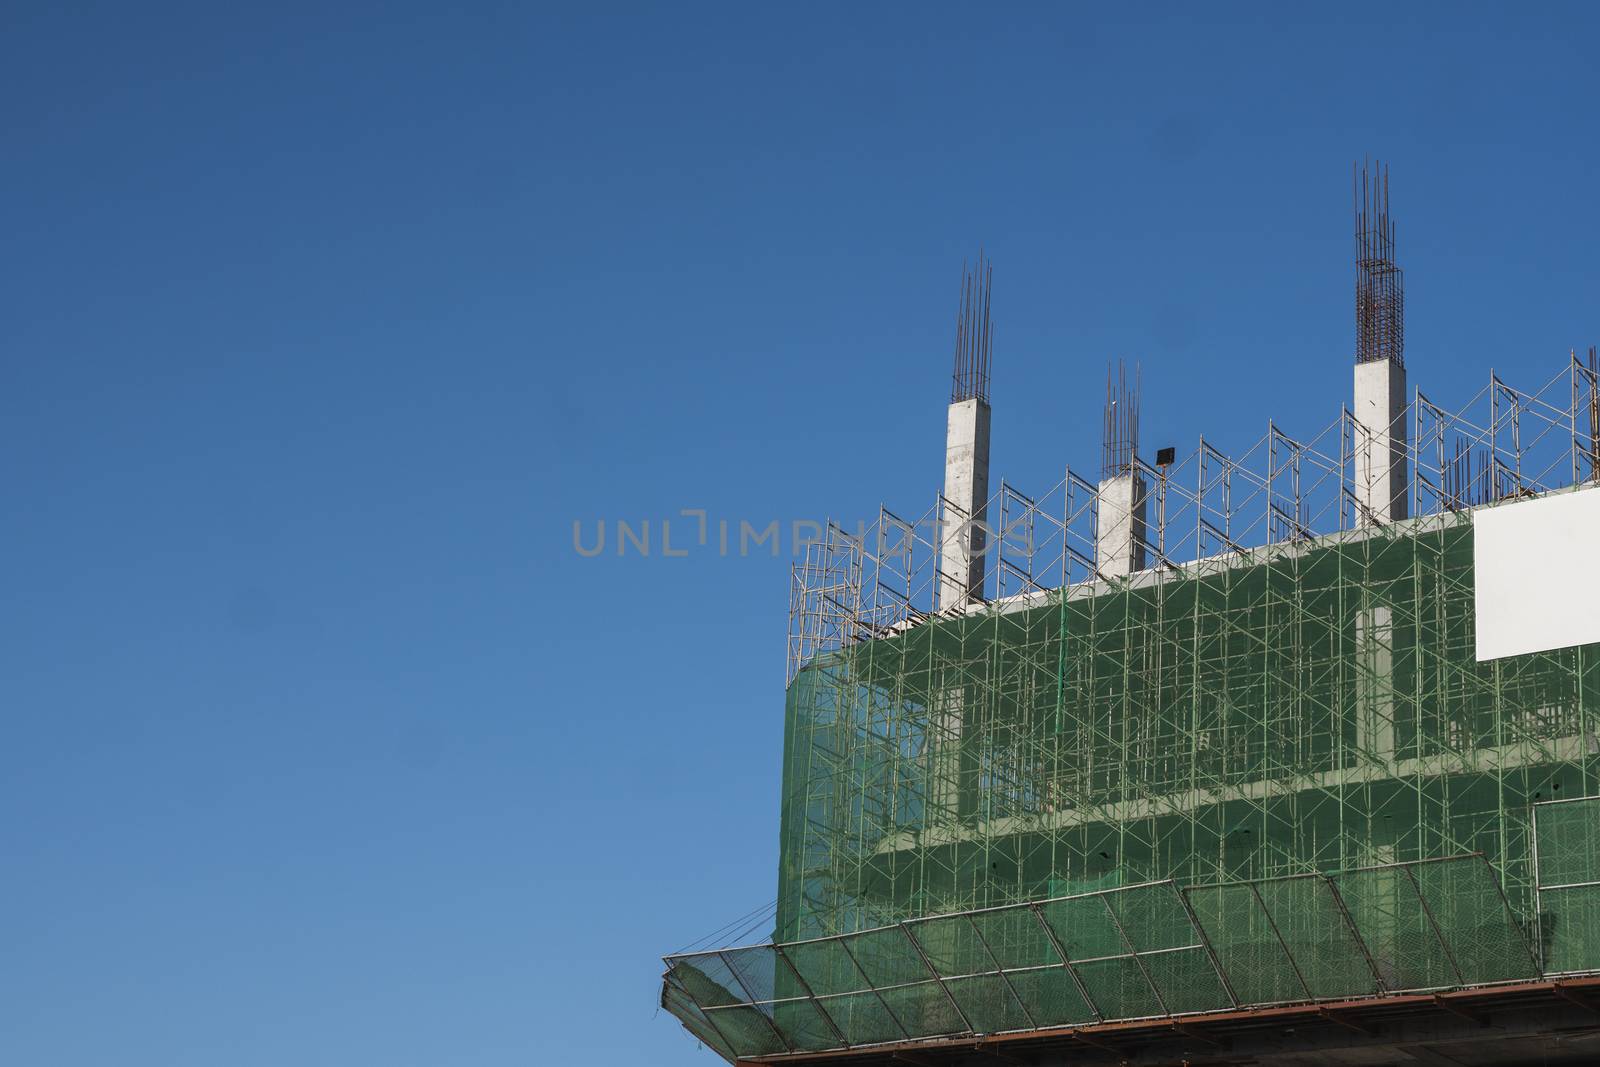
1152	950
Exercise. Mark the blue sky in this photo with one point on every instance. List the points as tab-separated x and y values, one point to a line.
321	327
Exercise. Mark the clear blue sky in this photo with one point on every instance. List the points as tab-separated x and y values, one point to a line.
319	326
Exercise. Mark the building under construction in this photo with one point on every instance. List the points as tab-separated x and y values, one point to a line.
1288	757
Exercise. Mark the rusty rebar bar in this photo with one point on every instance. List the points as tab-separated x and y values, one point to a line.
974	335
1380	285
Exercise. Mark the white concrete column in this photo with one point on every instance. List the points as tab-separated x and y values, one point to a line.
966	490
1375	685
1383	489
1382	484
1119	526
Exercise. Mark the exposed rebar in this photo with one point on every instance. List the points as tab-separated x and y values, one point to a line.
1380	285
974	335
1120	441
1465	478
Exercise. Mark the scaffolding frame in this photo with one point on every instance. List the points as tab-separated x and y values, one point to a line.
1205	507
1284	690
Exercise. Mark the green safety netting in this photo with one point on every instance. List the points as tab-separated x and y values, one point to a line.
1153	950
1567	849
1215	733
1313	706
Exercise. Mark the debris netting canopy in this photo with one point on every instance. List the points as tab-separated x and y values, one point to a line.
1146	951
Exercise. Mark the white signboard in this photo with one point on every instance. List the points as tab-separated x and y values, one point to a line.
1536	584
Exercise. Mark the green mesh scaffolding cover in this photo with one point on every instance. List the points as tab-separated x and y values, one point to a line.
1276	776
1307	707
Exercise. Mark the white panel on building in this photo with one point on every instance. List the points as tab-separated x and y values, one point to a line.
1536	584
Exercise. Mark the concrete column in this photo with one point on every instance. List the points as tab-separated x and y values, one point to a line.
1382	488
1381	468
966	489
1119	526
1375	684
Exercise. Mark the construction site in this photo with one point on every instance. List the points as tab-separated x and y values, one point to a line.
1283	757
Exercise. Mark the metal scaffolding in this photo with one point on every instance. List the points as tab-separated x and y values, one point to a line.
1282	691
1266	769
1203	736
